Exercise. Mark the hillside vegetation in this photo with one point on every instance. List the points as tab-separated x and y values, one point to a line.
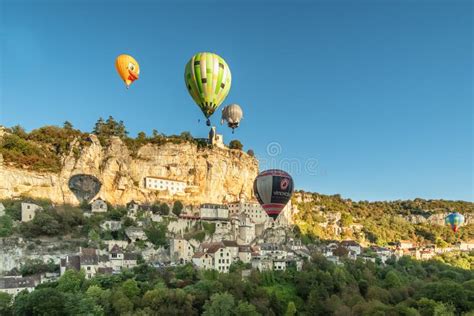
42	149
382	222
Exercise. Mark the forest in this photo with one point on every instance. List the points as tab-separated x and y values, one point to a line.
403	287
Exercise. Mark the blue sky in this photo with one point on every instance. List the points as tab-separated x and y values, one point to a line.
369	99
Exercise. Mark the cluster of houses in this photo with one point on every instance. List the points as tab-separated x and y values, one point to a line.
237	236
95	261
335	251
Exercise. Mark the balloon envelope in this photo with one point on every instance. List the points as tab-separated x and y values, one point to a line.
232	114
273	189
208	80
127	68
454	220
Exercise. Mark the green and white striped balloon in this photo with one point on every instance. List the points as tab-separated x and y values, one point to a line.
208	80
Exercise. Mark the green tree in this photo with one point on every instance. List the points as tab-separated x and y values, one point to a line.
5	304
71	281
45	301
428	307
130	289
245	309
220	304
290	309
392	279
67	125
177	208
6	226
236	144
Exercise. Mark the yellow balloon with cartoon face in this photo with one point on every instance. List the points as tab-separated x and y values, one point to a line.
127	68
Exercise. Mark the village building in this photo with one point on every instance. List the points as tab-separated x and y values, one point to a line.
99	206
111	225
405	244
28	211
216	139
14	285
135	234
215	256
2	209
164	184
353	246
111	243
253	210
466	245
245	254
181	251
214	212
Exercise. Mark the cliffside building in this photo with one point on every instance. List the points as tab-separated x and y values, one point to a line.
163	184
216	139
214	212
28	211
253	210
99	206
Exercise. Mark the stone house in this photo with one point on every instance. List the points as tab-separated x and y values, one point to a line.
214	212
135	234
28	211
466	245
99	206
111	225
214	256
181	250
245	254
14	285
405	244
352	246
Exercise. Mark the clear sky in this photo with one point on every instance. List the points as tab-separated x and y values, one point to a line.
369	99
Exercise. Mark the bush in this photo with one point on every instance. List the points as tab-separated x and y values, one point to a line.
236	144
177	208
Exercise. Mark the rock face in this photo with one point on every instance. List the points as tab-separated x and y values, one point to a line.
212	175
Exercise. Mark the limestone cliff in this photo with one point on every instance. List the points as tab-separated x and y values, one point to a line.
212	175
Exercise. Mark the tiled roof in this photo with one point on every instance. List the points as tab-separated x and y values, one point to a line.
230	243
13	283
116	249
71	262
198	255
89	260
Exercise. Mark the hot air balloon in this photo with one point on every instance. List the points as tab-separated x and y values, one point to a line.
454	220
208	80
273	189
127	68
232	113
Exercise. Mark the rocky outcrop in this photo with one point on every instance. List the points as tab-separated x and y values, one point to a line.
212	175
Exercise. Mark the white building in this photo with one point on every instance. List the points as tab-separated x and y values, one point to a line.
216	256
99	206
352	246
253	210
466	245
28	211
214	212
216	139
163	184
111	225
2	209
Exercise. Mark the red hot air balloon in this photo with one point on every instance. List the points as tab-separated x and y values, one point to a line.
273	189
